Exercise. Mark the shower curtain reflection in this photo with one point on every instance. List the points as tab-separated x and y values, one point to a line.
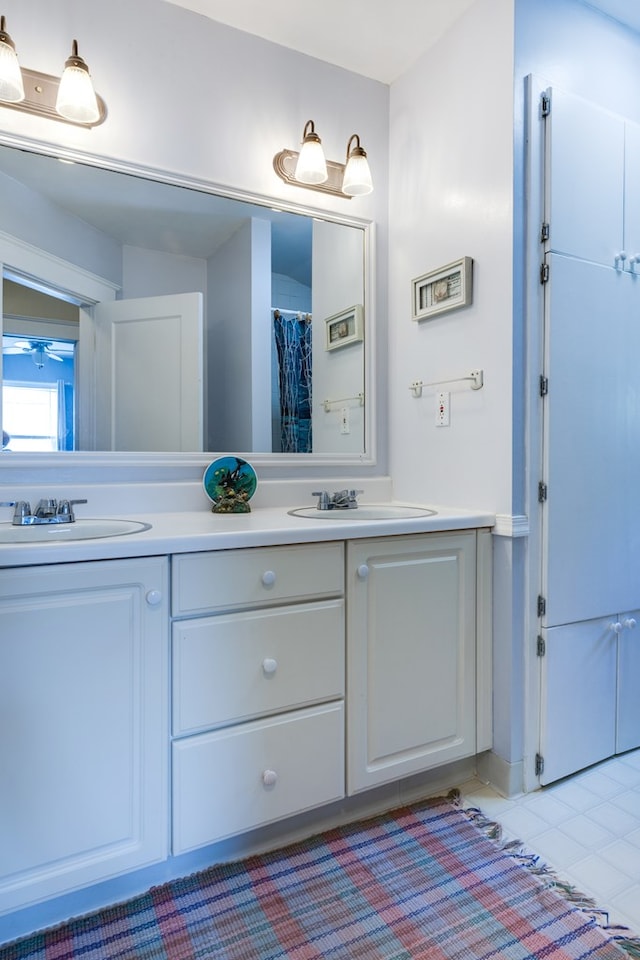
292	333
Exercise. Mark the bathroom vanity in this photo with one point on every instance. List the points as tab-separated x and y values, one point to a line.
210	676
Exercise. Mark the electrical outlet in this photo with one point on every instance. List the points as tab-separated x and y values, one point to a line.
345	426
442	409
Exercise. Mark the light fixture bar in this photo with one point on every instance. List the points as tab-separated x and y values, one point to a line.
284	164
41	93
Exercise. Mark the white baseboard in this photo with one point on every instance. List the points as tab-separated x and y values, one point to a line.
507	778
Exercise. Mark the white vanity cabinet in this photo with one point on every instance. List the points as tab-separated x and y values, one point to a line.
418	667
258	687
83	752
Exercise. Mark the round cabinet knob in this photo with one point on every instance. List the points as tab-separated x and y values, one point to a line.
363	571
269	665
630	623
154	597
269	578
269	778
616	627
620	258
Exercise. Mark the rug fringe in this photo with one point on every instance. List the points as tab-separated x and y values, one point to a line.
622	936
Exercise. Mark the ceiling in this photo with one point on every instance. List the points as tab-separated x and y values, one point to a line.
379	39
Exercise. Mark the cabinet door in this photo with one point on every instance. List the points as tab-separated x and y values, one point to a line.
578	696
628	716
83	674
592	457
411	655
585	190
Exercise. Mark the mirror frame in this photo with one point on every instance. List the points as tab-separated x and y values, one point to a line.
181	466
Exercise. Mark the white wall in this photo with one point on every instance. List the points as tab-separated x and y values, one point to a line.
451	159
240	100
227	336
27	215
153	273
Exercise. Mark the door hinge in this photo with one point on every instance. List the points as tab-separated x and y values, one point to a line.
544	385
544	273
542	492
542	606
545	105
539	764
541	647
545	232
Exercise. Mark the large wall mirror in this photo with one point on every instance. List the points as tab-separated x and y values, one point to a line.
148	315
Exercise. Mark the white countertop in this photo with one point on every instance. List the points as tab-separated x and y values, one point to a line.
190	531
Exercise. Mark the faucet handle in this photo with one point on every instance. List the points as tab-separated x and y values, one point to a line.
22	509
65	508
323	498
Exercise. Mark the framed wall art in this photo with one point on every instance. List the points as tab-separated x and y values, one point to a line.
344	328
440	290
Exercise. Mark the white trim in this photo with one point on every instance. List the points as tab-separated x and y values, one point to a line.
31	261
170	467
535	147
511	526
484	641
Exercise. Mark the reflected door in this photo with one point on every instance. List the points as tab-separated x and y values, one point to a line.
149	374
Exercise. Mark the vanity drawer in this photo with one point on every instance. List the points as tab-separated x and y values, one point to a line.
238	666
228	579
233	780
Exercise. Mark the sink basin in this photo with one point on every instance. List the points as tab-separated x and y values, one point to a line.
79	530
367	511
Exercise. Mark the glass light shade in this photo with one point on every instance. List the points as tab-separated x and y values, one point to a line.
357	176
11	85
311	166
76	97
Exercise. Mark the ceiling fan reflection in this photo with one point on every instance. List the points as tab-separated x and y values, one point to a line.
40	351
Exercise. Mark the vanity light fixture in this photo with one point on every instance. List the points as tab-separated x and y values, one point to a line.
311	166
11	85
71	98
357	176
76	100
310	169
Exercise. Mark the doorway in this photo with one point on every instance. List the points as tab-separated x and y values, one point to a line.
39	370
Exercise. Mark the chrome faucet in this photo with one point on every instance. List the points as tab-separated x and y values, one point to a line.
48	510
340	500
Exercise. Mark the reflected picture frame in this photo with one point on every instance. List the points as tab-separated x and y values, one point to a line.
441	290
344	328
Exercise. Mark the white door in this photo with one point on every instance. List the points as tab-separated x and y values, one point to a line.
590	415
83	688
578	725
149	374
585	182
411	663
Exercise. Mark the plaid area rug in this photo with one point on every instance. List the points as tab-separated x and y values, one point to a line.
421	883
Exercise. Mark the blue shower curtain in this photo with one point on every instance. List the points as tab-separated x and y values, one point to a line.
293	346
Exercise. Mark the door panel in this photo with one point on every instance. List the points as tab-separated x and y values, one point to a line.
591	413
585	198
149	374
578	697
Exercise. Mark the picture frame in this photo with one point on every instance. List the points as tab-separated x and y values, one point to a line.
439	291
344	328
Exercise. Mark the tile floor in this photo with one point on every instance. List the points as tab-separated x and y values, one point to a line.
587	827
